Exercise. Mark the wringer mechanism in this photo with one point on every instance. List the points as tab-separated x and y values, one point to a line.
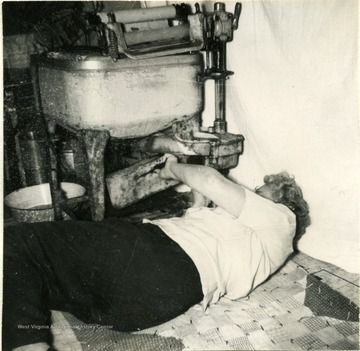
143	88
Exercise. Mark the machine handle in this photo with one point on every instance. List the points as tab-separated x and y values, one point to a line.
237	14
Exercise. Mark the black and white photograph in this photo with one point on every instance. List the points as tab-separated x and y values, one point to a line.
180	176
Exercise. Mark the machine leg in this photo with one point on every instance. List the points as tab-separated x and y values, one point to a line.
95	143
55	188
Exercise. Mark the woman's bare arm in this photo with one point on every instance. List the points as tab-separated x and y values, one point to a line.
207	181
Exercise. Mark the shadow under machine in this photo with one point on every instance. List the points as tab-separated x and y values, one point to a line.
142	91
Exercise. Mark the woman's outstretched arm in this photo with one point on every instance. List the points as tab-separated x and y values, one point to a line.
207	181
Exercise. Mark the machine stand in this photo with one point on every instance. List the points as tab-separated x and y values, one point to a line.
95	142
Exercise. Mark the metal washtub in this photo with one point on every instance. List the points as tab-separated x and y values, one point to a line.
128	98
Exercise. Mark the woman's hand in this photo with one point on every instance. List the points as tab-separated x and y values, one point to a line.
165	172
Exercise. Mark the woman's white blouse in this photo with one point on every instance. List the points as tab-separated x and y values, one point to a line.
234	254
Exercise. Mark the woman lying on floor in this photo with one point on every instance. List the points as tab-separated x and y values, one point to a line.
130	277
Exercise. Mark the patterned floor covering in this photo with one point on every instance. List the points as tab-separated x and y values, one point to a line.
273	317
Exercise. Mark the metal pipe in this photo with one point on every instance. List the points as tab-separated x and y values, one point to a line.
220	106
220	91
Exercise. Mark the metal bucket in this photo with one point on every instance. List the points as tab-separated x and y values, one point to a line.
33	204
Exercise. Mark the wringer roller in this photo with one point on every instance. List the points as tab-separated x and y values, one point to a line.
143	89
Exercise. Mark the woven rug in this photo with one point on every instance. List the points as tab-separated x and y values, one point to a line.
70	334
272	317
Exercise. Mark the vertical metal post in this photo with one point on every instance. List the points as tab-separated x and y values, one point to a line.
49	131
220	92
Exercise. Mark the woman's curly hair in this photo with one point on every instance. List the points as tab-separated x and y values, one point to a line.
285	191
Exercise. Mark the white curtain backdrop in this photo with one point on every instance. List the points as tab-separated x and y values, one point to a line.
294	97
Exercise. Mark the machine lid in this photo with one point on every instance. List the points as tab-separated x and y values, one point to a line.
95	61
